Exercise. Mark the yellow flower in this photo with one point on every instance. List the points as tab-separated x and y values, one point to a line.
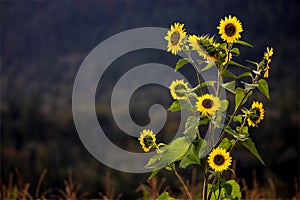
178	89
204	45
219	160
147	139
230	29
256	114
208	104
267	61
175	37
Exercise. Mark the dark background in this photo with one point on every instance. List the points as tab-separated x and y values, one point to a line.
44	42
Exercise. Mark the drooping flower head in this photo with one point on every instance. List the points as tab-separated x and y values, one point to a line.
208	104
256	114
219	160
230	29
178	89
147	139
266	62
175	36
205	46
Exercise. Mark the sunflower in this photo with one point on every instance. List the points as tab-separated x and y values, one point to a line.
219	160
178	89
208	104
147	139
256	114
175	37
230	29
205	46
267	61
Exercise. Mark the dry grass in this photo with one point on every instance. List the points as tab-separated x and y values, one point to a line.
21	189
153	188
109	190
16	188
71	190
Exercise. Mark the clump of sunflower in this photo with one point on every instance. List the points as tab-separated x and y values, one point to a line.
212	152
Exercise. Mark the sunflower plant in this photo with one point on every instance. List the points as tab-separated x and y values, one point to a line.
208	111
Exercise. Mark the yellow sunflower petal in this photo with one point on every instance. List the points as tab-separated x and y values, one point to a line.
175	37
230	29
219	160
208	104
258	114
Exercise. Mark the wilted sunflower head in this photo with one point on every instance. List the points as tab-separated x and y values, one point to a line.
230	29
205	46
178	89
147	139
266	62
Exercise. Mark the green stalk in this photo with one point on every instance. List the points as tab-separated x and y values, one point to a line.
182	183
197	71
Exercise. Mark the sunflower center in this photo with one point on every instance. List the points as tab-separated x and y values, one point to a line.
230	29
175	37
148	141
219	159
179	89
207	103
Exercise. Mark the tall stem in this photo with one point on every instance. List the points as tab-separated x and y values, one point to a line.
205	182
183	184
197	71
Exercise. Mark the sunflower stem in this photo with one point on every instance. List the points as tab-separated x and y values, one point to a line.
205	184
197	71
182	183
223	134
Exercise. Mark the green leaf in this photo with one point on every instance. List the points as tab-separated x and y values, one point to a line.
240	97
191	127
249	86
223	105
228	74
244	131
164	196
238	118
243	43
179	105
235	51
171	153
225	144
181	62
154	174
229	190
208	83
192	155
204	121
251	147
245	74
175	107
263	87
208	66
230	86
231	62
235	134
235	192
